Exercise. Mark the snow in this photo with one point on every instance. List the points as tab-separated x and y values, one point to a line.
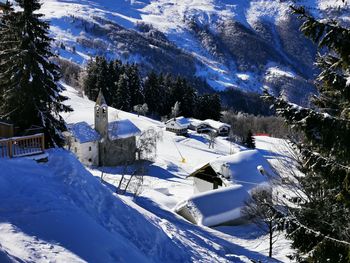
195	122
59	212
244	167
242	170
122	129
181	121
216	207
83	132
171	18
277	71
64	221
75	218
216	124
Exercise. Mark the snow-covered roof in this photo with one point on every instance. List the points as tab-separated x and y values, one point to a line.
195	122
244	167
83	132
223	205
217	124
122	129
215	207
212	123
181	121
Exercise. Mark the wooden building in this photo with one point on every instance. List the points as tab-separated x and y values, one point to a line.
6	130
178	125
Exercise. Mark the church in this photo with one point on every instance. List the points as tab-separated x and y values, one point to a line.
108	143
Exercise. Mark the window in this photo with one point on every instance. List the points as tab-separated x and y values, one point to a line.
75	149
89	148
90	160
104	110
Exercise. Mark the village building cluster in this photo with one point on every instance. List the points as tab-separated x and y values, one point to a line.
181	125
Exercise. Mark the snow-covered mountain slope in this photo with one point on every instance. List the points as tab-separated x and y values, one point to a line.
58	212
166	183
230	43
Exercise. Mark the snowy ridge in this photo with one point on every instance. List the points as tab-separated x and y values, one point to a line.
173	18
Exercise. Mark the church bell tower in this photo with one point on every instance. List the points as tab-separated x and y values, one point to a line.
101	115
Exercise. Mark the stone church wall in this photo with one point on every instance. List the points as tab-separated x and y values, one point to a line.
118	152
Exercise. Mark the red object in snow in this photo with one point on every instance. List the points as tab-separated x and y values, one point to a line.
262	134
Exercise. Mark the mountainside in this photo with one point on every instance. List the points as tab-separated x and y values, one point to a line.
58	212
238	44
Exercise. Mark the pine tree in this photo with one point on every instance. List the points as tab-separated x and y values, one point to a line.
123	93
249	140
135	85
152	93
98	78
30	94
208	106
89	85
321	226
115	69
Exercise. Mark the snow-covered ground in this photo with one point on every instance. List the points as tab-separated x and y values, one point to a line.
166	184
60	212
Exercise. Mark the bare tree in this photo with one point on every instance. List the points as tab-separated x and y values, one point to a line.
146	145
212	139
146	150
261	211
141	109
175	110
135	182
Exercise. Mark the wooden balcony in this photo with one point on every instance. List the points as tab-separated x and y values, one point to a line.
22	146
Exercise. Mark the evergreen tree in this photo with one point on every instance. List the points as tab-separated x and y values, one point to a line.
30	94
115	69
183	93
249	140
89	85
321	226
104	80
123	93
98	78
135	86
208	106
152	93
166	84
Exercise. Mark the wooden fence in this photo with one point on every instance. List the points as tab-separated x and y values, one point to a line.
22	146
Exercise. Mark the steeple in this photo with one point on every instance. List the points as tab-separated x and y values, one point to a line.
101	115
100	99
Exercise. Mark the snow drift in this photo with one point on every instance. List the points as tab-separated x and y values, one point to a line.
72	216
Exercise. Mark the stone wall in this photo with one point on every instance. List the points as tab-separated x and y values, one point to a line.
117	152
